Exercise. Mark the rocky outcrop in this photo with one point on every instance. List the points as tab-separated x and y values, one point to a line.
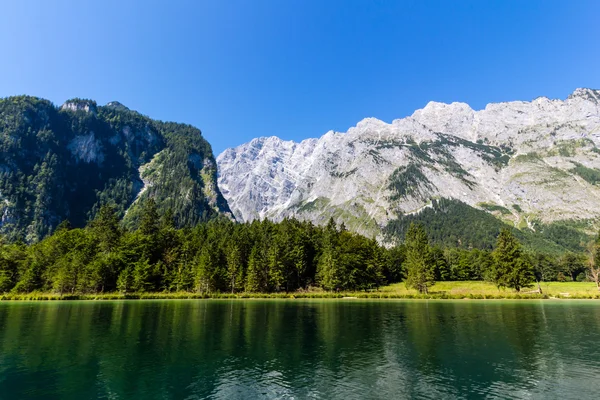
88	106
86	148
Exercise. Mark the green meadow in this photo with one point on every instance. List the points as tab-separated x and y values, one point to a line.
441	290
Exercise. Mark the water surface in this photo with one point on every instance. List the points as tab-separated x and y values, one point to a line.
321	349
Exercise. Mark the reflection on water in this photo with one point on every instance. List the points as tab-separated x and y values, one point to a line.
299	349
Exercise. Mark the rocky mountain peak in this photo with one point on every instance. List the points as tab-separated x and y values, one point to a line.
523	161
368	124
84	105
117	106
586	94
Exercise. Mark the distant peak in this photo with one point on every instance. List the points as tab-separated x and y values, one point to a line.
367	124
435	109
586	94
454	105
261	140
370	121
77	104
117	106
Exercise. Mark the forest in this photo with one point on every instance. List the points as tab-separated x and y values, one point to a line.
221	256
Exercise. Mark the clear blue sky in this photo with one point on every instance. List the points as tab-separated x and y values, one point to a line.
295	68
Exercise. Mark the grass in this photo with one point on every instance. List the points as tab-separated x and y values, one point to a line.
441	290
581	290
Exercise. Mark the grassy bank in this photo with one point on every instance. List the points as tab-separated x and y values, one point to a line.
480	289
441	290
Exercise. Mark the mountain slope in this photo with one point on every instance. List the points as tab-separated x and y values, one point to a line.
527	163
63	163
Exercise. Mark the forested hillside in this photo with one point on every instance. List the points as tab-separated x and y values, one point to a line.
64	163
452	223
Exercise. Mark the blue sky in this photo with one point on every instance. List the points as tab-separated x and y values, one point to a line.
295	68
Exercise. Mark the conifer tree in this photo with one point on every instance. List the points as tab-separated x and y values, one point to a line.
168	220
511	267
182	275
376	261
106	229
328	266
149	223
144	276
254	278
208	273
420	265
276	268
234	267
125	283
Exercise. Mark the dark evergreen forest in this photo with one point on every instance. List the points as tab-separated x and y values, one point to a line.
221	256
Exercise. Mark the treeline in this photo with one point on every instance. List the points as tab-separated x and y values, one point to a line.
262	256
457	264
217	256
508	265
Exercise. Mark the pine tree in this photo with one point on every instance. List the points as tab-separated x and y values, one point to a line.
276	266
328	266
420	265
168	220
234	267
204	271
125	283
255	281
511	267
442	270
298	253
106	229
144	276
149	223
374	276
182	275
331	226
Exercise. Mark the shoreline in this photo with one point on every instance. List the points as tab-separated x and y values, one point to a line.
289	296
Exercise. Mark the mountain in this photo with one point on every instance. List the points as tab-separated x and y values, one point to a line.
63	163
529	164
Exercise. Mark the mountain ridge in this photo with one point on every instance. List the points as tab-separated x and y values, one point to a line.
509	154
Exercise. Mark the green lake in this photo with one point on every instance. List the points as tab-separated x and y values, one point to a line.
299	349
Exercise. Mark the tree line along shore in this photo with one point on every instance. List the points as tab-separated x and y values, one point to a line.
289	259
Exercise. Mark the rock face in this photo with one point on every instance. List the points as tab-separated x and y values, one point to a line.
59	163
80	105
525	162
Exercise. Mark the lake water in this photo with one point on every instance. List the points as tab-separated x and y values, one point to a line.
301	349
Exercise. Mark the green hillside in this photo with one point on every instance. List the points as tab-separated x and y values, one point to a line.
63	163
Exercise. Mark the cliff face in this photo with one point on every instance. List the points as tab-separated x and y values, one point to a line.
526	163
63	163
